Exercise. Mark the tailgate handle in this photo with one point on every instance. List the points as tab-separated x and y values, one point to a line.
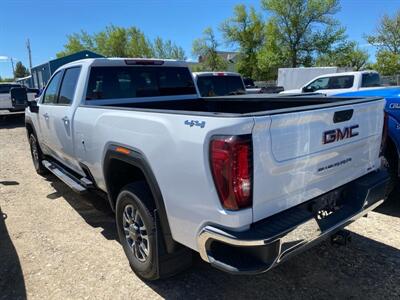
343	115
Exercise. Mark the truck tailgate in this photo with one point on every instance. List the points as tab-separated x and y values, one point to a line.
301	155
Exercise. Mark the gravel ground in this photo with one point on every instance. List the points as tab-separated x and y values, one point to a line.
56	244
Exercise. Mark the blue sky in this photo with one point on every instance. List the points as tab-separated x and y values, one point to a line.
47	22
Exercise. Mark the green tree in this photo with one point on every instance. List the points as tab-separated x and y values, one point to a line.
205	48
245	30
387	36
387	63
387	40
305	27
112	42
115	41
20	70
346	54
271	56
139	45
77	42
167	49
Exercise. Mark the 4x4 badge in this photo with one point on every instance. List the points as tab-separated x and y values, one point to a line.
192	123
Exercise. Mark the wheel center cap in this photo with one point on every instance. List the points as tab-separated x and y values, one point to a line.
133	232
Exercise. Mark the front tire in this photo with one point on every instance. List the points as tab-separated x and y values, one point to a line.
37	156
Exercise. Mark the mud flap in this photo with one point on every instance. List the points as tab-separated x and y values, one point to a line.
169	264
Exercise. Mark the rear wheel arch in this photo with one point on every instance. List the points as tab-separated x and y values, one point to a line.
121	169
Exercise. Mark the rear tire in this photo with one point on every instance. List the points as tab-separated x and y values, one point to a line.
138	233
37	156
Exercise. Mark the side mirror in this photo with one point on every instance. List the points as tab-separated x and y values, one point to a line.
33	107
19	96
307	89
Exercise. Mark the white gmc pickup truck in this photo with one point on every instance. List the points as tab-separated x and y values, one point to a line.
245	181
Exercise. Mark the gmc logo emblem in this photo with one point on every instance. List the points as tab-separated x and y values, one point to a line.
336	135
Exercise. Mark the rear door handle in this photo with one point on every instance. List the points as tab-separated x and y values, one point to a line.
46	116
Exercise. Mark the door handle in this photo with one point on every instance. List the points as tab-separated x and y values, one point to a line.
46	116
65	120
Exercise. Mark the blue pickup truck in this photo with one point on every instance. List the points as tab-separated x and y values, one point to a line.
392	96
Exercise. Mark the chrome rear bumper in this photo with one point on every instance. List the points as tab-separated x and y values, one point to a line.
270	241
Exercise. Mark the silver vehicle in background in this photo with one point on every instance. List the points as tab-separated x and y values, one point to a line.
13	96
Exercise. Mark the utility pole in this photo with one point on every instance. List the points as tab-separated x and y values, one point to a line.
12	65
28	46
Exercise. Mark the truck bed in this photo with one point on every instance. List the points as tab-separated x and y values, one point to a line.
243	105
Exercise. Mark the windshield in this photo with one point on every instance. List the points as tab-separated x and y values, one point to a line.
210	86
131	82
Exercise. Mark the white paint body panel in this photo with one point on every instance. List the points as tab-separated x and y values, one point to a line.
287	155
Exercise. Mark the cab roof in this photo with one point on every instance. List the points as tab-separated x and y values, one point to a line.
129	61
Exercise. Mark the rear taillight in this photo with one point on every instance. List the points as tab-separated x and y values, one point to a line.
384	133
232	166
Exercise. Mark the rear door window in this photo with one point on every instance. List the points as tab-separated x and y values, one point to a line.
68	85
341	82
133	82
370	80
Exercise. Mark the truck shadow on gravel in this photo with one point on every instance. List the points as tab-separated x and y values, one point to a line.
364	267
12	284
11	120
93	209
391	207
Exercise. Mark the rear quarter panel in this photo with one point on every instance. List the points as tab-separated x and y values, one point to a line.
177	154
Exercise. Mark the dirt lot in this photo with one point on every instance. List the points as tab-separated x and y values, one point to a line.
56	244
